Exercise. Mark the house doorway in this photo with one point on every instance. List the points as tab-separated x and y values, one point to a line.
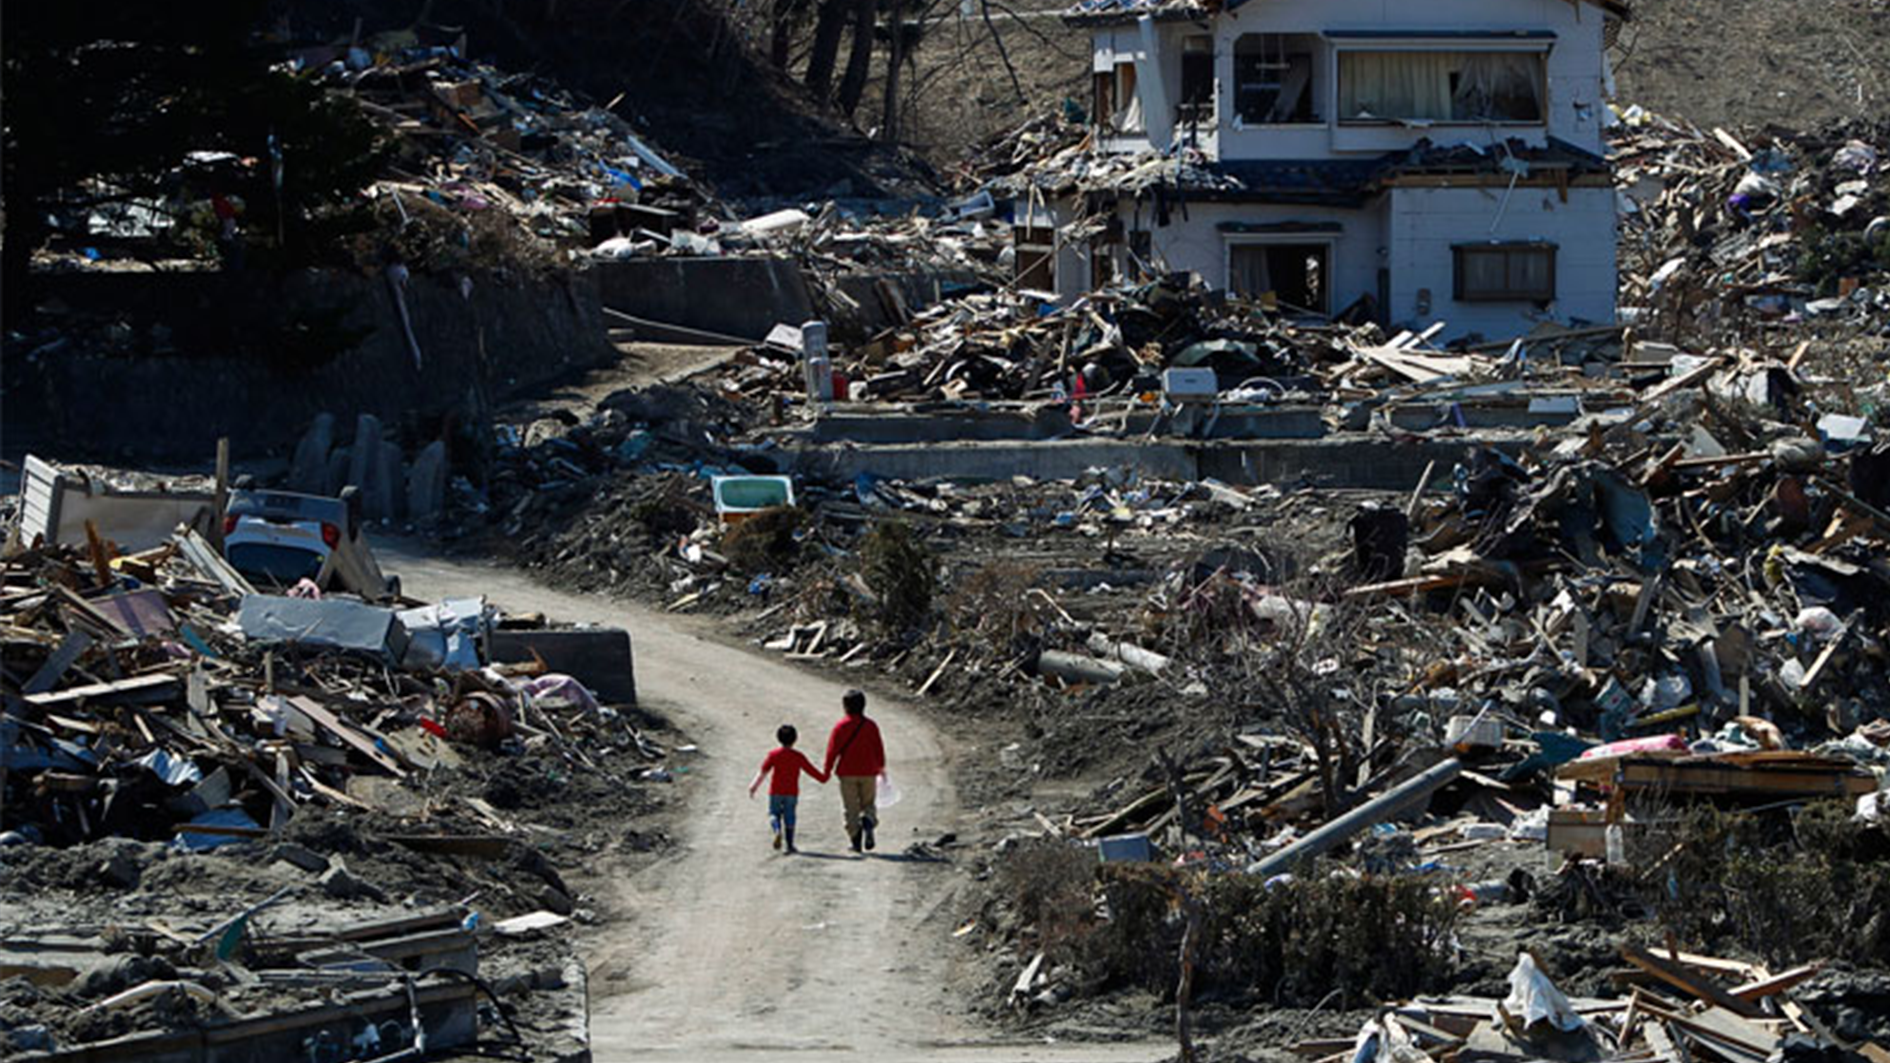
1299	276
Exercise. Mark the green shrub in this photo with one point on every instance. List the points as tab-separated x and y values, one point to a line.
1369	938
765	541
1789	890
901	573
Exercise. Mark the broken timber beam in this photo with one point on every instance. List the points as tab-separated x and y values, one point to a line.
1694	984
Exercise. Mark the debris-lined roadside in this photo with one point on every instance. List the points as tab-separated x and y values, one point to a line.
1634	612
234	815
1567	644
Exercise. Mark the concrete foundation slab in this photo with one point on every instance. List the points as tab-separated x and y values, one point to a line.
1362	461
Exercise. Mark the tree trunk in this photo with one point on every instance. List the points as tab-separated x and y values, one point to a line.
828	25
780	44
859	59
889	125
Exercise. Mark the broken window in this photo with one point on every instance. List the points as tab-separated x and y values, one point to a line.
1515	272
1197	81
1118	106
1036	265
1274	78
1441	86
1293	275
1141	265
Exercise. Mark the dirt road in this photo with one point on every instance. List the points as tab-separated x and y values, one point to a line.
735	952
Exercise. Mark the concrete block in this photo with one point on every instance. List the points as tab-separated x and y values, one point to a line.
382	496
300	856
309	471
364	454
426	482
340	460
737	296
340	883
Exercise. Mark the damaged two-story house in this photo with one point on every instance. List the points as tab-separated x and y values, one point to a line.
1409	163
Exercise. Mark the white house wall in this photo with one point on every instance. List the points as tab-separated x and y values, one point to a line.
1573	66
1198	246
1072	265
1426	222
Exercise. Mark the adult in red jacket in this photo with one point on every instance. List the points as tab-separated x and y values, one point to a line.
856	756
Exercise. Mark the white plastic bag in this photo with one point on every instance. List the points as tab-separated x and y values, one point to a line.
887	794
1533	998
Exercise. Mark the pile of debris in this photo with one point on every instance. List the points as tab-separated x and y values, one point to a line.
1727	238
1680	1005
1016	149
363	795
473	140
1675	604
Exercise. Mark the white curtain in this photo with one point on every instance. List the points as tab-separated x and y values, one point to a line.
1248	265
1395	84
1490	86
1499	86
1128	116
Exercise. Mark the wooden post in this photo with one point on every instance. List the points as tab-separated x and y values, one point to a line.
223	493
1184	989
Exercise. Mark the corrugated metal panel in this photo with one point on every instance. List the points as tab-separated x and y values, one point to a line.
37	490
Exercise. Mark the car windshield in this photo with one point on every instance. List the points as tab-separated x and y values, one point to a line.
275	565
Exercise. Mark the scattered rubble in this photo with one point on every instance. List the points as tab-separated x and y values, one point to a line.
1726	240
231	815
1646	579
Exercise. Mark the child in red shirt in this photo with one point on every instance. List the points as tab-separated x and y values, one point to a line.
784	791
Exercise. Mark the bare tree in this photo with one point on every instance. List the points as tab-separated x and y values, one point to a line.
785	19
1287	652
829	24
889	124
859	58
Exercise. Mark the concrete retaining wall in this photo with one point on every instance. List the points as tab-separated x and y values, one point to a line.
743	297
256	356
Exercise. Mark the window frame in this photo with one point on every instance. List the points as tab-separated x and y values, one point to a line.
1326	240
1206	109
1320	67
1460	292
1540	47
1039	241
1119	84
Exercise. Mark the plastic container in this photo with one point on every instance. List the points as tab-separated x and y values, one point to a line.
1475	732
739	497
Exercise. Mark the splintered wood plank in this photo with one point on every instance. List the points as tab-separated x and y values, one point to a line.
1760	988
1693	983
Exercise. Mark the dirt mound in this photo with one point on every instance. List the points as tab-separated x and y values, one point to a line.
1797	63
